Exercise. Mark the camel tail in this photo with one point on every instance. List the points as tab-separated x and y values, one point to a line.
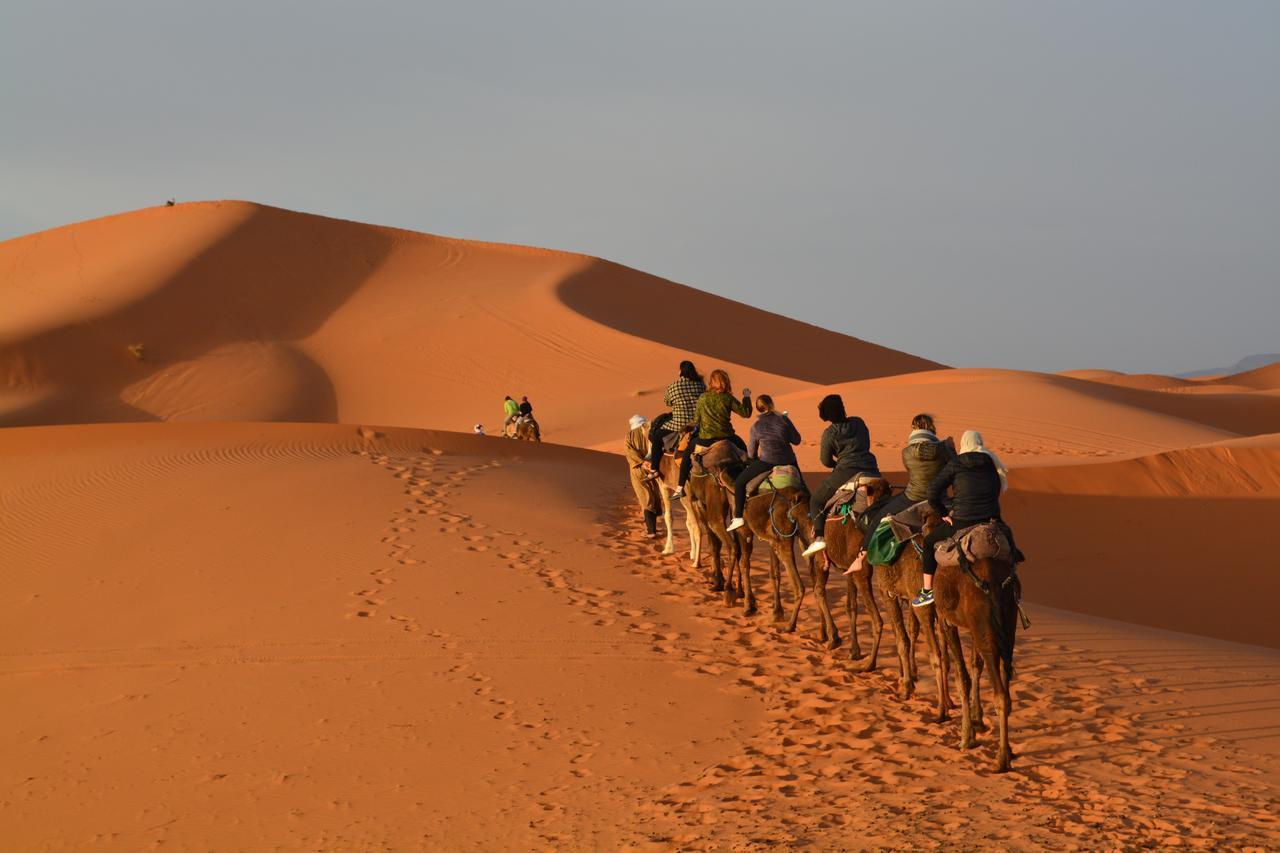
1004	622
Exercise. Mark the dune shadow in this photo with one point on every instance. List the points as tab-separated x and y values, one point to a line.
659	310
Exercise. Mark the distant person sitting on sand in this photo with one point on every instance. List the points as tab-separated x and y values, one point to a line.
637	449
510	411
846	448
682	398
478	429
712	420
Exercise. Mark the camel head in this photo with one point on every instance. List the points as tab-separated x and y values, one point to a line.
877	490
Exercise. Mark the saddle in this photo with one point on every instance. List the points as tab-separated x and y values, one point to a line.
671	440
851	494
986	541
716	456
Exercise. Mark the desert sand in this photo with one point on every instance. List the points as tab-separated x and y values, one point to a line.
263	593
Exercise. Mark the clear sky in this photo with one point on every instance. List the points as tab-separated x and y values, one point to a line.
1043	185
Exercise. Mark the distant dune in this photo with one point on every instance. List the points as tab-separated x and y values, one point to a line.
1250	362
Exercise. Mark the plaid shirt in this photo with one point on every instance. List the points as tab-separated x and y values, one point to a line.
682	396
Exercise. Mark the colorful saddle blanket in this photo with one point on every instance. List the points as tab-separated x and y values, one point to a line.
780	477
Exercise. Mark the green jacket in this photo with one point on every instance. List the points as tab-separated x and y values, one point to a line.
510	407
713	410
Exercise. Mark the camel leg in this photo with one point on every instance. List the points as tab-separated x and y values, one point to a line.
775	575
749	594
906	678
991	658
929	621
862	580
915	641
979	724
851	610
952	635
1000	676
797	589
695	532
813	581
830	636
670	546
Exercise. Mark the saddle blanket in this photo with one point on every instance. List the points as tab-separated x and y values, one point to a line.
776	479
981	542
851	493
909	522
718	455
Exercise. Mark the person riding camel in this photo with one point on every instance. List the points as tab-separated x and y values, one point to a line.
976	477
510	411
769	445
682	398
845	448
712	420
923	458
637	449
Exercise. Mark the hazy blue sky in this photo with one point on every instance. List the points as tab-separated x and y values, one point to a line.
1016	184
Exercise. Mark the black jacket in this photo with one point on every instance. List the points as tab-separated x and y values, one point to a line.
526	409
848	445
976	483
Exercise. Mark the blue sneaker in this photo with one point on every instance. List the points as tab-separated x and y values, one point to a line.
924	599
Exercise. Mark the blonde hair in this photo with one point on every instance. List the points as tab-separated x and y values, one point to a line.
719	381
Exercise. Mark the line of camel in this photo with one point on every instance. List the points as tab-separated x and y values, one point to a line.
983	600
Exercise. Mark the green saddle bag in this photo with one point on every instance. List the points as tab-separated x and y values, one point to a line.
883	547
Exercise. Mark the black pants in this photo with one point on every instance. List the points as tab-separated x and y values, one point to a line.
818	503
944	531
686	464
755	467
656	432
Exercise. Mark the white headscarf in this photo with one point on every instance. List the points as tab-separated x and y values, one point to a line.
971	442
637	421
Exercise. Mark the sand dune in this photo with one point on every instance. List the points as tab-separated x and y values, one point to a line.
339	633
246	312
325	637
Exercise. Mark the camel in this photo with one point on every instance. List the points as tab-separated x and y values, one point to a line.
711	512
527	430
779	518
669	475
898	583
984	601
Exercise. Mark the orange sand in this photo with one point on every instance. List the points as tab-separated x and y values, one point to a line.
346	635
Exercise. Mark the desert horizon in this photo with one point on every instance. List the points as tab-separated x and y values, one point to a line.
266	590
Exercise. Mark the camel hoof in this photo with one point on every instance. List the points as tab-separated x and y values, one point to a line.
750	609
1002	766
868	666
778	616
729	597
833	642
717	586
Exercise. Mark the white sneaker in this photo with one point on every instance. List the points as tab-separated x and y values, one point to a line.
735	524
818	545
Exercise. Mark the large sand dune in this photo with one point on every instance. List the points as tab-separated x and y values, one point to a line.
344	633
238	636
247	312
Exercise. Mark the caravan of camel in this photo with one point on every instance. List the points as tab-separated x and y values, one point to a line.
980	596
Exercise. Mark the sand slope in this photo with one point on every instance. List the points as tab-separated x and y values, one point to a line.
247	312
238	636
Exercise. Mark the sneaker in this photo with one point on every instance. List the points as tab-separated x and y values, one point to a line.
924	599
818	545
735	524
677	492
